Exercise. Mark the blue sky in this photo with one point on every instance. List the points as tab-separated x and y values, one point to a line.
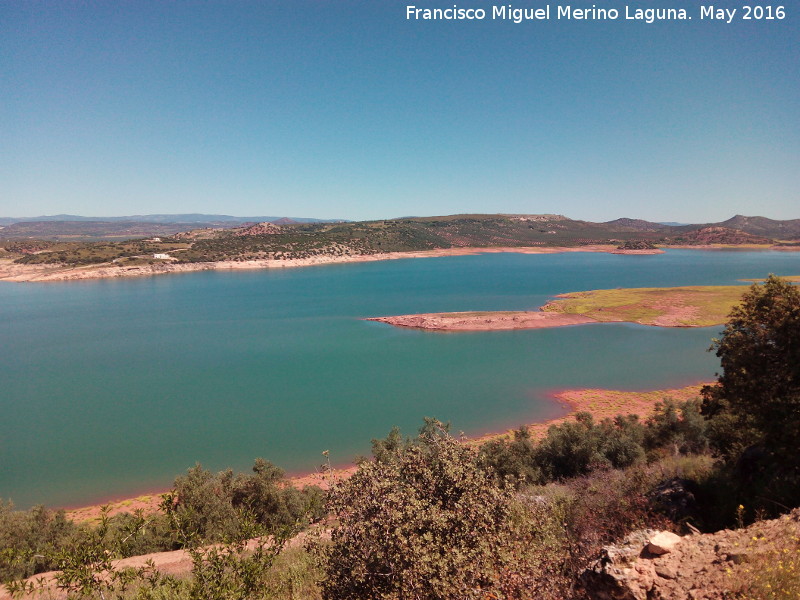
345	109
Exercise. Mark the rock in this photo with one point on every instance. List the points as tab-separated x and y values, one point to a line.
666	572
663	542
702	566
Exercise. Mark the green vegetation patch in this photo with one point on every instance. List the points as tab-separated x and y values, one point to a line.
790	278
309	240
695	306
92	253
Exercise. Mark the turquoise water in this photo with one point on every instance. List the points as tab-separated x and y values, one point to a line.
112	387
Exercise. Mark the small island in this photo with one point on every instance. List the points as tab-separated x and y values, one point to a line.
689	306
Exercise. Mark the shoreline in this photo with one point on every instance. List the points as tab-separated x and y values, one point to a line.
602	403
485	320
11	272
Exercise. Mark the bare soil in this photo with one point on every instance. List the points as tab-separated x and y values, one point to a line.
485	321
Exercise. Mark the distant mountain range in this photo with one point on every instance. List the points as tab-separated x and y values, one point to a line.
177	218
66	227
757	226
441	231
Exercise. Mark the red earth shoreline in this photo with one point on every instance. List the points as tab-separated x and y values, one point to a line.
602	403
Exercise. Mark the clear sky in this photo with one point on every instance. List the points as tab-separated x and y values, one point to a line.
346	109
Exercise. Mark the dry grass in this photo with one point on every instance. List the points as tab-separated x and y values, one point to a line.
770	569
148	503
696	306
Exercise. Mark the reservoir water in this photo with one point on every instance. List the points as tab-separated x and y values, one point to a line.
111	387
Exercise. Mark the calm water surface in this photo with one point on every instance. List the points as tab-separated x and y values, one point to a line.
111	387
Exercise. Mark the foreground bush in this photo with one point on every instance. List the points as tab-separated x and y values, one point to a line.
29	539
424	521
203	507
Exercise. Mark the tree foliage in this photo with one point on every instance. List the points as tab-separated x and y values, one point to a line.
515	459
209	505
213	516
425	520
760	357
574	448
754	409
29	539
678	427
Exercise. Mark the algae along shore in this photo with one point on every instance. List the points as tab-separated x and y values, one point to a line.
691	306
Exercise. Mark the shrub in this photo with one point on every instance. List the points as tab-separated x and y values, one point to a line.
575	448
203	504
424	521
29	539
208	505
754	409
513	460
272	503
677	426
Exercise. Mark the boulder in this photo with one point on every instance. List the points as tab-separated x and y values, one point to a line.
659	565
663	542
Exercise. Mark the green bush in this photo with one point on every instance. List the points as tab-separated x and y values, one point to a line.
209	505
424	521
575	448
677	427
29	539
515	460
273	503
203	504
754	409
